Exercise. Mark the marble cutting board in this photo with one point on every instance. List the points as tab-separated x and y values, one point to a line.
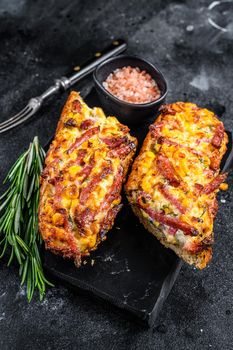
131	269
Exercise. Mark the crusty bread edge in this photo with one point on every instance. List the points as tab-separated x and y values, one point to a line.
126	163
199	260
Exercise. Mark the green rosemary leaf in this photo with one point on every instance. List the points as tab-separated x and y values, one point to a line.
4	247
17	252
33	272
8	198
15	167
5	194
18	178
11	256
24	271
42	153
17	216
22	244
29	283
25	185
31	188
30	157
19	219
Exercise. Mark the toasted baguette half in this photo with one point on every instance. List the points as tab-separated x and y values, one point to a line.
81	183
175	178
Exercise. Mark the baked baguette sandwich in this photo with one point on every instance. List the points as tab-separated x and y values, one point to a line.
81	183
174	180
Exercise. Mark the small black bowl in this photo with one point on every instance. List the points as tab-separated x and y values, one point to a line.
128	113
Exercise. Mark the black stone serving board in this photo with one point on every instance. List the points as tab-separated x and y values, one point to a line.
131	269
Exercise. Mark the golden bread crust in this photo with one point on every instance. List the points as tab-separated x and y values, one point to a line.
175	178
81	183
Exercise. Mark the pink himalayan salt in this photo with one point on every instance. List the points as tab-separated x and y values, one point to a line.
132	85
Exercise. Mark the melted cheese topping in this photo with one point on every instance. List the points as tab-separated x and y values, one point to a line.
181	137
82	179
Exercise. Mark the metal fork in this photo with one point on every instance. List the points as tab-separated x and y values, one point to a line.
63	84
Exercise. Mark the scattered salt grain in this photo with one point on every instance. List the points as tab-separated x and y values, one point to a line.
189	28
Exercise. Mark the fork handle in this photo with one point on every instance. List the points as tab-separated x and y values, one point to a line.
64	83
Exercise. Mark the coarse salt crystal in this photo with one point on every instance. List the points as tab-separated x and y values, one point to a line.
132	85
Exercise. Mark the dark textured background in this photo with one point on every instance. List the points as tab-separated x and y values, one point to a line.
41	40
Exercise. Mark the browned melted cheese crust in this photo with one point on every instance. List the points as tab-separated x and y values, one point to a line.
175	178
82	179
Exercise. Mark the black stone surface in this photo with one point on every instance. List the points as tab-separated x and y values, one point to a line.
43	40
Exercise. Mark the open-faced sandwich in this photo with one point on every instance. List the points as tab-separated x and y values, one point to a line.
80	186
174	181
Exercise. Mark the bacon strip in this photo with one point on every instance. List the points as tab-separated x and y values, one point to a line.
155	129
84	137
198	189
67	226
86	124
71	122
172	231
114	189
76	106
213	209
86	170
79	159
45	173
167	109
87	216
214	184
167	170
114	142
165	192
109	219
166	140
83	218
58	191
122	151
215	160
112	194
218	136
81	154
169	221
72	249
85	192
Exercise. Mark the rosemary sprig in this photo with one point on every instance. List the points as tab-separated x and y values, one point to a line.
19	219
